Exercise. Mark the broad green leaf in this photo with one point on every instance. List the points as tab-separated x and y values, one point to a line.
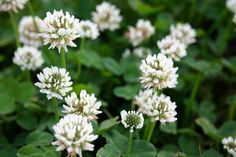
230	63
7	104
211	153
228	129
107	124
141	148
188	145
107	151
24	91
112	65
208	128
127	92
30	151
39	138
206	110
165	154
27	120
7	151
169	128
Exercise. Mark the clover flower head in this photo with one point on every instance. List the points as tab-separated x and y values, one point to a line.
28	33
126	53
75	134
54	82
229	143
184	33
59	29
231	5
172	48
140	33
162	109
28	58
86	105
107	16
132	120
158	72
88	29
12	5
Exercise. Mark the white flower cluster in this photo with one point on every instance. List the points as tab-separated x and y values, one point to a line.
184	33
139	52
229	144
172	48
12	5
54	82
88	29
74	133
86	105
132	120
159	107
28	58
107	16
140	33
28	33
59	30
231	5
158	72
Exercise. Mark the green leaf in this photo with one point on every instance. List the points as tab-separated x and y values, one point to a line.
165	154
39	138
228	129
8	151
141	148
113	66
188	145
107	124
127	92
7	104
107	151
230	63
24	91
169	128
206	110
211	153
27	120
30	151
208	128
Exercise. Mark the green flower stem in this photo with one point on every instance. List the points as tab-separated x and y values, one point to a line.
147	128
193	96
56	109
27	75
15	28
150	132
232	111
81	51
129	145
63	58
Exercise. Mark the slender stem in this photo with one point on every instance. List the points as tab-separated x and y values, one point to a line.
63	58
56	109
146	128
232	111
15	28
27	73
128	151
151	129
193	96
81	51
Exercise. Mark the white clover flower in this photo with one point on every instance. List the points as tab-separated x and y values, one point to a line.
12	5
141	100
160	108
231	5
107	16
141	32
28	58
184	33
28	33
75	134
59	30
158	72
229	144
142	52
86	105
132	120
88	29
172	48
234	19
55	82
